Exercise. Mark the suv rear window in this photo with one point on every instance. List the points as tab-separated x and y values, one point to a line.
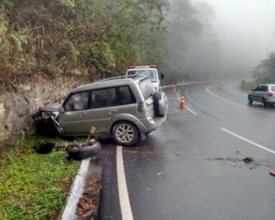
125	95
273	88
146	88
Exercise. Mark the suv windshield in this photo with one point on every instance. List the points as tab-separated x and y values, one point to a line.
146	72
146	88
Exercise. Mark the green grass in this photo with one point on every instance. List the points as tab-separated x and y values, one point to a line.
32	185
248	85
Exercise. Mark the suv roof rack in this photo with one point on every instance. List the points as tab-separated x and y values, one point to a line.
136	76
110	78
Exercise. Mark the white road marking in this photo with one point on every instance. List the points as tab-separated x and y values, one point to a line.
248	141
125	205
190	110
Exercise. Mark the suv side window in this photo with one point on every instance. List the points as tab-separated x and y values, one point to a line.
99	98
112	97
77	102
125	95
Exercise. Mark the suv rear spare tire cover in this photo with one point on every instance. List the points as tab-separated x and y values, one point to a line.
159	104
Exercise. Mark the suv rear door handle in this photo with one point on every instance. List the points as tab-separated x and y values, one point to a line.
113	111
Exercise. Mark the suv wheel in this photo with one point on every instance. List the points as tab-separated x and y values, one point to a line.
85	152
264	102
125	133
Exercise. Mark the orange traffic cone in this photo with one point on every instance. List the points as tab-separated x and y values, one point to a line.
182	103
174	89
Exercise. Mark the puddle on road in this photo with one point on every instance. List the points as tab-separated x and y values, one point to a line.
237	162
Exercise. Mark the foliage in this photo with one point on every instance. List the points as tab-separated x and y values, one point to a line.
65	36
246	86
34	186
81	36
265	71
182	24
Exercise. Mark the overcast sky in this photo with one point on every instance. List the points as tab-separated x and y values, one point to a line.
248	15
245	29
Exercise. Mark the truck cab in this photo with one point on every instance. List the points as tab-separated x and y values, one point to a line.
150	70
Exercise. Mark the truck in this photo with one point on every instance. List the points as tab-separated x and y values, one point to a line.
148	70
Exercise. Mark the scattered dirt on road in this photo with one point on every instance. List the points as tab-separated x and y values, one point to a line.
248	160
230	159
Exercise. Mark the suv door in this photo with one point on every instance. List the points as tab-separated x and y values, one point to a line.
261	93
100	109
257	94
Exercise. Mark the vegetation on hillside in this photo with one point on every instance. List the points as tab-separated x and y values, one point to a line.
56	37
68	36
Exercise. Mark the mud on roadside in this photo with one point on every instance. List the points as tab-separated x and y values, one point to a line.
88	204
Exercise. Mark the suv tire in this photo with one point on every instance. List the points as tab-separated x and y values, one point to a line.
85	152
250	101
125	133
264	102
157	97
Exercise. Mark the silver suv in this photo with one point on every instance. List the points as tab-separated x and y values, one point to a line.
264	93
124	108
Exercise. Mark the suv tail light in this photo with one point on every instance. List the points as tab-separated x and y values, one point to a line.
141	107
269	94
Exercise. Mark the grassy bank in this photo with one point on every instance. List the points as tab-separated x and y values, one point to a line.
248	85
32	185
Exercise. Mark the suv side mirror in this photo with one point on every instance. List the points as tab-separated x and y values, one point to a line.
162	76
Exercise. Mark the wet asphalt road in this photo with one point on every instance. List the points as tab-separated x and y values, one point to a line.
193	167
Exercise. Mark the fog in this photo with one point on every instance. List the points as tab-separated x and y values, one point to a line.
245	30
239	34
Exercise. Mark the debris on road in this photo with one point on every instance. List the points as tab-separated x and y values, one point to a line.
272	173
248	160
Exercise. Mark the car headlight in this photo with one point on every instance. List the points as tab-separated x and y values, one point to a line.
45	115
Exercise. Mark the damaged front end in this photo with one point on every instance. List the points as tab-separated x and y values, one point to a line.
46	120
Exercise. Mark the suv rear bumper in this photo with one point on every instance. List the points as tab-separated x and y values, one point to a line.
150	124
270	99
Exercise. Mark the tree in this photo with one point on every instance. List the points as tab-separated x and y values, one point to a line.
181	23
84	36
265	71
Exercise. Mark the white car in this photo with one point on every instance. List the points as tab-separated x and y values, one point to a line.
264	93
